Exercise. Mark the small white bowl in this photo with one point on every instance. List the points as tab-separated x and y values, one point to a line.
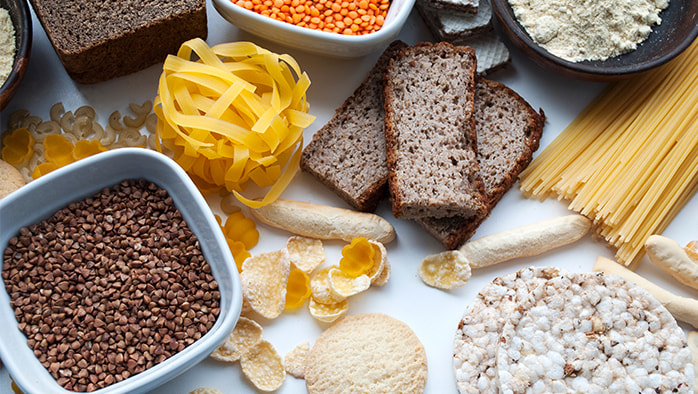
42	197
316	41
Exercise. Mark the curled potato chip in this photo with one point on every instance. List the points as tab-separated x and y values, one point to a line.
306	253
380	258
343	285
263	366
264	279
246	334
327	313
205	390
294	360
320	288
445	270
383	276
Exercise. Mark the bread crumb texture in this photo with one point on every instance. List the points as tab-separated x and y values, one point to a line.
367	353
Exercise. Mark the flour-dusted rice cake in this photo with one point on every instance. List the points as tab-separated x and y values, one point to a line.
474	354
590	332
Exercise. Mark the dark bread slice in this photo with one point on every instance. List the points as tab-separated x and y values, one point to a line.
348	153
508	132
100	40
430	132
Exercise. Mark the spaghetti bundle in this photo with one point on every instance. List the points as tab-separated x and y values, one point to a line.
629	161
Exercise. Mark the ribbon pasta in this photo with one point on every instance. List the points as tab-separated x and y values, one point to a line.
231	114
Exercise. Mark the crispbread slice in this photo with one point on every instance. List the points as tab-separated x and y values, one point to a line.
491	52
460	6
590	332
449	25
367	353
429	132
475	344
348	153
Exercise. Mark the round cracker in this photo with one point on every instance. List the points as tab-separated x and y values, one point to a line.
367	353
474	355
590	332
10	178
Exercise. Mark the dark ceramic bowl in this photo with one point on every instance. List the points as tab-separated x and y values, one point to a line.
677	31
22	22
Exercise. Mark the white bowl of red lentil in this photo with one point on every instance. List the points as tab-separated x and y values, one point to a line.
314	40
162	285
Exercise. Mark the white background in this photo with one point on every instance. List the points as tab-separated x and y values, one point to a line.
432	314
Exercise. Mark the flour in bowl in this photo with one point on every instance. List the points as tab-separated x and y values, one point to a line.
7	45
578	30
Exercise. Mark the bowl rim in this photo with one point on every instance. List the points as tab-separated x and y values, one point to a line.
31	373
393	22
23	43
583	67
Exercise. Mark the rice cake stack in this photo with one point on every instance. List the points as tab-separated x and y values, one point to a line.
542	330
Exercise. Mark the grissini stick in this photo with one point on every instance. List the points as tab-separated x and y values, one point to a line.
668	255
683	308
324	222
528	240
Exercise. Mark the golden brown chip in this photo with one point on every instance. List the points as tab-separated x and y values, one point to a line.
263	366
383	276
691	249
205	390
246	334
306	253
380	259
264	279
344	286
327	312
294	360
320	288
445	270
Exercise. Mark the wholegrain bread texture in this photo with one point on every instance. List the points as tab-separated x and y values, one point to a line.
430	132
348	153
367	353
508	133
100	40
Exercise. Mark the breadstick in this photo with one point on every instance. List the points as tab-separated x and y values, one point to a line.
528	240
324	222
683	308
672	258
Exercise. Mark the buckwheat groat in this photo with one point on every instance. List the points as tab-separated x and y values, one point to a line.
590	332
474	354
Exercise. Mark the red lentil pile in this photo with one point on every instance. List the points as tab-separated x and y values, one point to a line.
110	286
349	17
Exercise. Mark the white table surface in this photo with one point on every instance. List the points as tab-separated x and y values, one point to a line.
433	314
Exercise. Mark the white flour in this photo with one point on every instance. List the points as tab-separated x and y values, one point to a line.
578	30
7	45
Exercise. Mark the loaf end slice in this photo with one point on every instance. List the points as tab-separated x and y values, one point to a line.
348	153
508	132
101	40
430	132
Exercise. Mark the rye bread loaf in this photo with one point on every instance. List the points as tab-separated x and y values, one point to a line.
348	153
508	132
430	135
100	40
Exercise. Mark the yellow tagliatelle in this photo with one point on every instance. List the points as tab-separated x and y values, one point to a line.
233	113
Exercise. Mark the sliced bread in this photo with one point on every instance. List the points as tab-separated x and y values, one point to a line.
430	132
100	40
508	132
348	153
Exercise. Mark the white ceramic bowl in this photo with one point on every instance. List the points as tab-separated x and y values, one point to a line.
41	198
316	41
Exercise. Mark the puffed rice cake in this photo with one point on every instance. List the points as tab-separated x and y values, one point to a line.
474	355
590	332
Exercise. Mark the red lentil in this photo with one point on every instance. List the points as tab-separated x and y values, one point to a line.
350	17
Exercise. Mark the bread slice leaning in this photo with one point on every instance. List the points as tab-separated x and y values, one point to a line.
508	133
430	132
348	153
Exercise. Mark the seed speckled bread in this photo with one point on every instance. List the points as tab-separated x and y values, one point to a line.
508	132
100	40
367	353
430	132
348	153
